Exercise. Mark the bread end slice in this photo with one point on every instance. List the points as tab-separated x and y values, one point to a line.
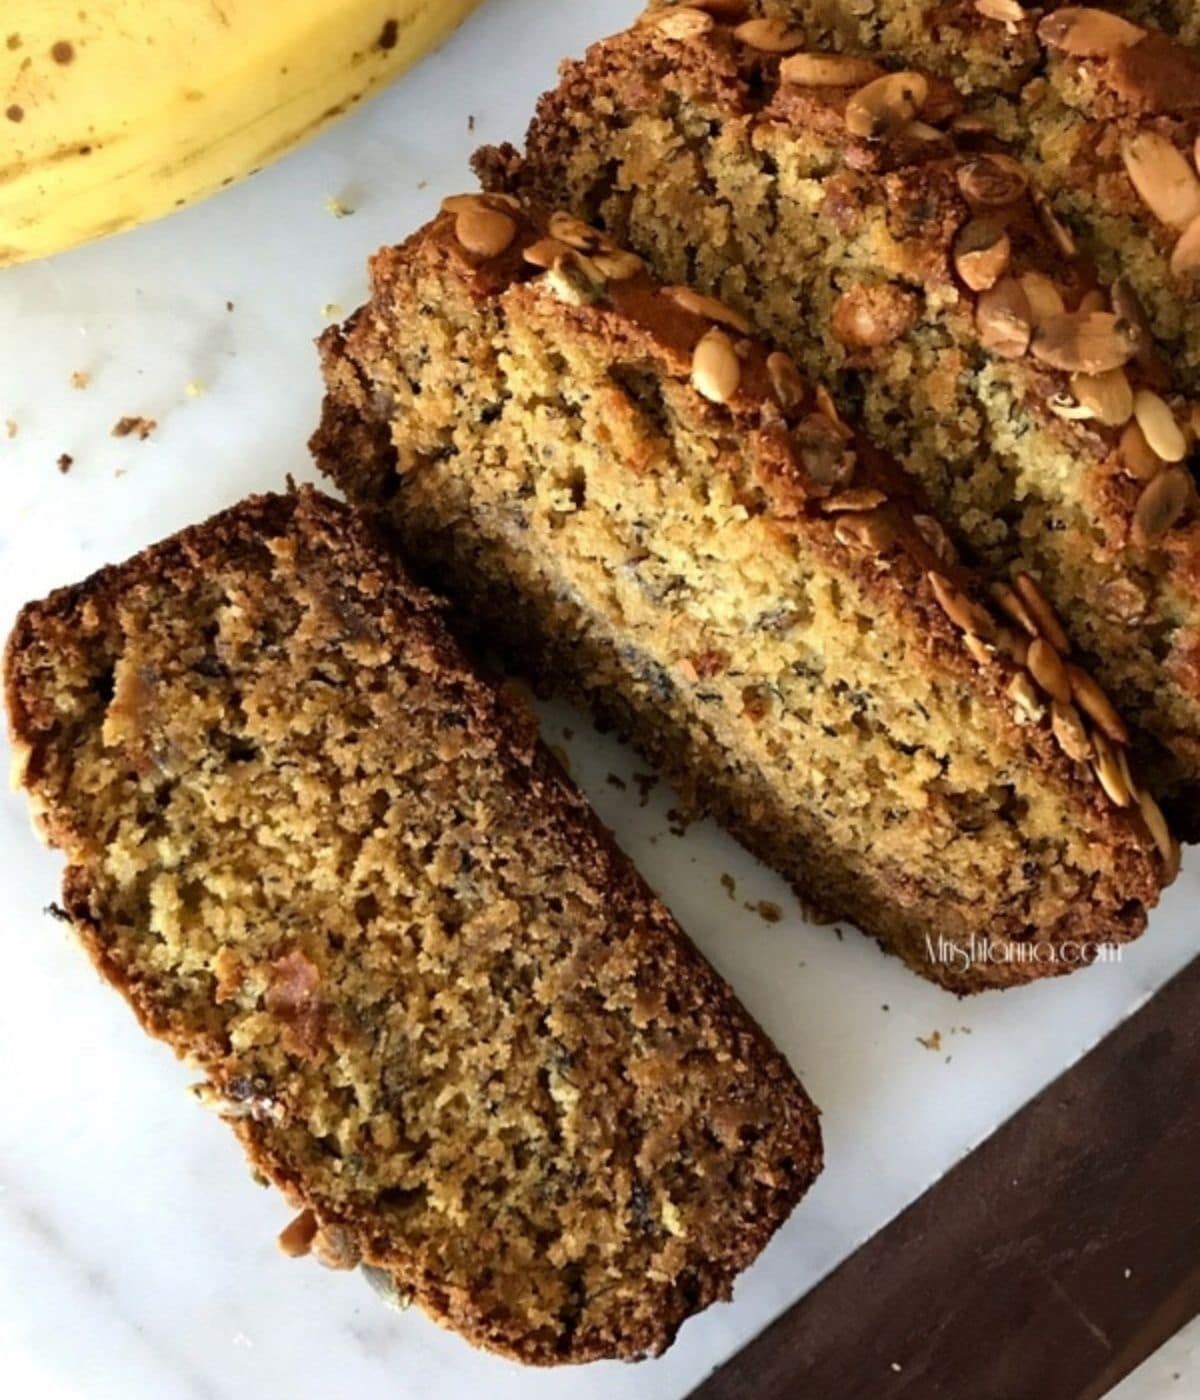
336	872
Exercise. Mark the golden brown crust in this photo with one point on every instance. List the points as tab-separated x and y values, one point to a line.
364	597
893	549
938	189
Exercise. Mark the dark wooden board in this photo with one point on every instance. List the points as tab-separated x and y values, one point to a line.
1047	1265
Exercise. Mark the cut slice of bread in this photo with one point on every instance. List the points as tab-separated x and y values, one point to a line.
336	871
920	275
660	515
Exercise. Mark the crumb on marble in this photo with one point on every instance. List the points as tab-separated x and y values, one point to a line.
729	884
65	462
80	378
194	388
11	428
767	910
330	310
646	783
133	425
337	207
933	1041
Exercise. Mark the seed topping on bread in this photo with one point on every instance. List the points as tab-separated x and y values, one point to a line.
1097	347
826	469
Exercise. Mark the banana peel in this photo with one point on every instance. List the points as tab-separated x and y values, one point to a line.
122	111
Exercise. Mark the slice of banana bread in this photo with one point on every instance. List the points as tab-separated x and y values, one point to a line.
336	871
615	480
918	274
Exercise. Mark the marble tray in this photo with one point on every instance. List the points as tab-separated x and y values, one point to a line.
137	1259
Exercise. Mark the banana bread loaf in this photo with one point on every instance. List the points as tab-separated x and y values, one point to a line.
335	870
664	518
919	275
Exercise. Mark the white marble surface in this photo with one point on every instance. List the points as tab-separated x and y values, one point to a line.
136	1256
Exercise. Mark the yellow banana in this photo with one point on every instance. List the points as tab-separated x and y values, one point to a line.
115	112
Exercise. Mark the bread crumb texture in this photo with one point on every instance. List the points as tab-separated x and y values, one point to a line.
753	592
337	873
920	271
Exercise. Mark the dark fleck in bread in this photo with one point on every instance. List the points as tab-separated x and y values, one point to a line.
914	270
337	872
615	480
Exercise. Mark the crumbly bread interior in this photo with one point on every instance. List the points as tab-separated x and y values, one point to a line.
339	874
554	473
844	256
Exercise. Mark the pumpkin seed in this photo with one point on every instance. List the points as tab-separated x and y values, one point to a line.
961	610
785	380
1185	257
617	264
1003	319
1010	601
1087	33
886	105
485	232
1091	342
682	23
1157	422
982	249
827	70
716	369
1045	300
576	234
575	279
992	180
1070	731
874	531
1044	617
1060	235
1108	396
769	35
860	498
1138	459
545	252
1047	668
1156	824
708	307
1163	177
979	650
1006	11
1091	699
1023	693
1160	506
1108	770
